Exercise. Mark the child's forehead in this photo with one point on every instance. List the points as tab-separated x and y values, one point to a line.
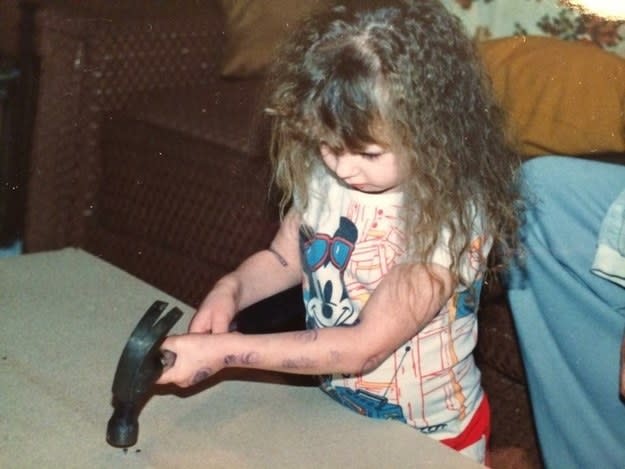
350	140
345	127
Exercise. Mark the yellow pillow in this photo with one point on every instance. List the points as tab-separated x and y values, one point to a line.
562	97
255	27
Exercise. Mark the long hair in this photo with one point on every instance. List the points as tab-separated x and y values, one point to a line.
405	75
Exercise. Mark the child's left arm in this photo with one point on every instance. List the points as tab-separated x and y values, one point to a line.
404	302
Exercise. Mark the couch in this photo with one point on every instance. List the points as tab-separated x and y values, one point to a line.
149	150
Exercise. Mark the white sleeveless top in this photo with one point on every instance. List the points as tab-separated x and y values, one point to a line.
349	241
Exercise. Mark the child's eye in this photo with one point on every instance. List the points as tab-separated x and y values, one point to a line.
371	152
370	155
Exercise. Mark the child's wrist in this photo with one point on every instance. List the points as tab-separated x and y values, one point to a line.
231	285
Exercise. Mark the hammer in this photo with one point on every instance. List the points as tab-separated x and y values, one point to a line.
140	365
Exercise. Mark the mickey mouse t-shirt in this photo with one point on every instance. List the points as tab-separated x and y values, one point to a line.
349	240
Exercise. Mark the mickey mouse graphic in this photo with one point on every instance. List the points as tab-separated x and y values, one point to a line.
324	259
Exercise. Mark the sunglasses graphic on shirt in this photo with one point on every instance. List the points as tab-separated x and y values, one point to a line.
322	247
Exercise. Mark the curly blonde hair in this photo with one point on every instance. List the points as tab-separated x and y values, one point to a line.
402	74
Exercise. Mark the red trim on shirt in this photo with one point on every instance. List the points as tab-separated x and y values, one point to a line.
478	427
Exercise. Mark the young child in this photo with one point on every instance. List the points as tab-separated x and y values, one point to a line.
397	180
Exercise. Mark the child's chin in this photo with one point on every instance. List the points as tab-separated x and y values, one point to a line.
374	190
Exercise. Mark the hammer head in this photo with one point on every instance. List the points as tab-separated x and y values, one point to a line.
139	367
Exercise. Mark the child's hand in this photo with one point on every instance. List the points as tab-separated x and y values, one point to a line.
189	359
217	310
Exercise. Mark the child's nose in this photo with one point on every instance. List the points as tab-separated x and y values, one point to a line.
344	166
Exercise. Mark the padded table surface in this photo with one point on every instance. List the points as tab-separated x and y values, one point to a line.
65	318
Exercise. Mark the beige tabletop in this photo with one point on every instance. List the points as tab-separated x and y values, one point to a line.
65	317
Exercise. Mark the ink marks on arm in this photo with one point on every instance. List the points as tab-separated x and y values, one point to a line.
201	375
168	359
335	356
244	359
300	363
279	256
309	335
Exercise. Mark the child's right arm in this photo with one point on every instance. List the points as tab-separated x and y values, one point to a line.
263	274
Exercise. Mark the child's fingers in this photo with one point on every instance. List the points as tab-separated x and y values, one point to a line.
221	324
201	323
184	360
168	360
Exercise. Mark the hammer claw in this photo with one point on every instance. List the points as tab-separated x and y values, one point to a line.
138	369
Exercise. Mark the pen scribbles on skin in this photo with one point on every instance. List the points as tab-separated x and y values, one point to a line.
299	363
335	356
279	256
201	375
309	335
168	359
244	359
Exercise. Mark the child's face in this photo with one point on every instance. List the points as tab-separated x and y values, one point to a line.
373	170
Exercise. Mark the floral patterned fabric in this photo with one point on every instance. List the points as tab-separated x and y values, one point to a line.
490	19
